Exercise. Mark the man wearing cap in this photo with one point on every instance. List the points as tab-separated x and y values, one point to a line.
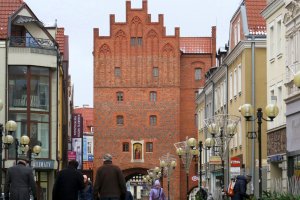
19	182
110	182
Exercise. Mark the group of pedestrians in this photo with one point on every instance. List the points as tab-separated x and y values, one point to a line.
109	184
71	184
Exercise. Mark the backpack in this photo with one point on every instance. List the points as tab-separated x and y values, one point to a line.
230	191
157	198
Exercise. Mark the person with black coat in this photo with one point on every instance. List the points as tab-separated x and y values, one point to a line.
68	183
19	182
240	187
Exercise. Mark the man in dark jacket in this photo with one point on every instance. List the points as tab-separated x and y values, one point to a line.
68	183
19	182
240	187
110	182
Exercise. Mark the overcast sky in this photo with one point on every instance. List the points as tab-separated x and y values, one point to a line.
79	17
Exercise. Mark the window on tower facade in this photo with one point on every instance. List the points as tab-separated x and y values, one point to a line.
197	74
125	147
120	120
149	147
120	96
139	41
117	71
153	120
132	41
155	71
153	96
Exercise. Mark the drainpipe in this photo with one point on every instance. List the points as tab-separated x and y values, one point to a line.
252	167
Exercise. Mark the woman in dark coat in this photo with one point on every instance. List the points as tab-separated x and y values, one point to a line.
240	188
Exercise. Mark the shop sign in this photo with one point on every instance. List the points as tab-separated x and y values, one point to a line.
235	162
43	164
215	160
276	158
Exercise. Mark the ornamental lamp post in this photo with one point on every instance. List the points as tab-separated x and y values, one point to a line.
167	164
10	126
271	111
222	129
185	151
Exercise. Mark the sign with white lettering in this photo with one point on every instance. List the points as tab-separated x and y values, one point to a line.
43	164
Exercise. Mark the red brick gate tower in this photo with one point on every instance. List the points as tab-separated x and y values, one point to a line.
144	92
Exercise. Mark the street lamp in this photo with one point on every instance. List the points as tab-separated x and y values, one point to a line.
10	126
25	148
222	128
185	151
271	111
297	79
168	164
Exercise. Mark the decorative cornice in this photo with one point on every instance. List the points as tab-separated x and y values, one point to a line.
272	8
292	11
240	47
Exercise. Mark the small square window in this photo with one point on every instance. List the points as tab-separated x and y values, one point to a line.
117	71
155	71
120	120
120	96
153	120
125	147
149	147
153	96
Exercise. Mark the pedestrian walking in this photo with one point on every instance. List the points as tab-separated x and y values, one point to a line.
210	197
110	182
240	187
128	195
87	192
157	192
19	182
68	183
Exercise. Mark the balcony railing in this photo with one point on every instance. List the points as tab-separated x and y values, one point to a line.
30	42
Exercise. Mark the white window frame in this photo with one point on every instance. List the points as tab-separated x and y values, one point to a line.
235	82
240	79
230	86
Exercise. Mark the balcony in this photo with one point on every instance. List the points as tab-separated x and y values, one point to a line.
30	42
32	51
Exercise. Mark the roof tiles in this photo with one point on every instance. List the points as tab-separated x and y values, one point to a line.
196	44
7	8
60	39
256	23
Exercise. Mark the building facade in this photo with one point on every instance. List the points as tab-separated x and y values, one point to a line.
29	64
291	21
87	114
145	83
276	70
246	63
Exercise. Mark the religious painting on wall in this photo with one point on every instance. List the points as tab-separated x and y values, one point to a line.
137	151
